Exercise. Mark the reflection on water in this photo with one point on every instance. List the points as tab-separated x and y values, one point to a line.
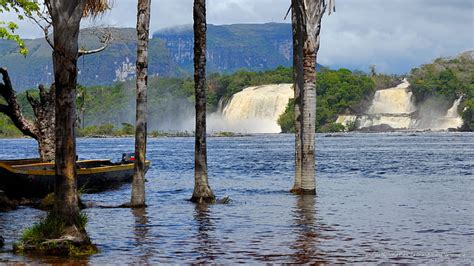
306	230
207	246
141	233
395	198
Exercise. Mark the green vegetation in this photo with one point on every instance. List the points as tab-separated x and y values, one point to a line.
111	110
338	91
7	128
224	86
7	28
255	47
47	237
444	81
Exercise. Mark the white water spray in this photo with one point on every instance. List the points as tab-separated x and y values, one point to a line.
254	110
395	107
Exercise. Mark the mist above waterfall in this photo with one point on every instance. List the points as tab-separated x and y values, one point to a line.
432	114
395	107
253	110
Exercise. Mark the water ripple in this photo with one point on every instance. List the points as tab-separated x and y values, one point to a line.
381	198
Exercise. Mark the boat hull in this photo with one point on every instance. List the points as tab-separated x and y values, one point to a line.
36	180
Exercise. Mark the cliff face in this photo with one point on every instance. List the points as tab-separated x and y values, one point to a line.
231	47
116	63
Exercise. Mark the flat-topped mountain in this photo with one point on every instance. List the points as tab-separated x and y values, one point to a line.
230	47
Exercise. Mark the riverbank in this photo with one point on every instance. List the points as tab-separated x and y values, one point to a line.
153	134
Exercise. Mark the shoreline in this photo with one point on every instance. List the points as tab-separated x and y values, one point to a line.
231	134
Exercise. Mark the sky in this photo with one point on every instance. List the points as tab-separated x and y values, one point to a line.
393	35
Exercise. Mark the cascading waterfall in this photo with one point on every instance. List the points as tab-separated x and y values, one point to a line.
395	107
254	110
397	100
451	119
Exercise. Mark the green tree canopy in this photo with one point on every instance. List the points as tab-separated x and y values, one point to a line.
8	28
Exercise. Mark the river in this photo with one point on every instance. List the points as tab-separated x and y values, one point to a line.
398	197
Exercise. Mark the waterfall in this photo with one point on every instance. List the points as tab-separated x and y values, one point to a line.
397	100
451	119
254	110
395	107
453	111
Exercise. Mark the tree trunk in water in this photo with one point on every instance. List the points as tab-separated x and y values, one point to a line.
202	191
143	26
308	174
314	11
297	22
66	17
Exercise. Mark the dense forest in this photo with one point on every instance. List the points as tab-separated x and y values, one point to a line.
338	91
439	83
109	110
445	80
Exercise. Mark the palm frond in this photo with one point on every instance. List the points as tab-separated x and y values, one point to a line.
95	8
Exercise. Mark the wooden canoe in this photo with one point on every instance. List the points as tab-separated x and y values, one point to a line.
32	179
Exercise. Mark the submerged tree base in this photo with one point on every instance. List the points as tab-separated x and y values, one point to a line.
296	191
65	246
127	205
203	194
52	237
308	192
203	199
213	200
300	191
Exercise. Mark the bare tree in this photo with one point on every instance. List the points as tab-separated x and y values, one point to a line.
42	127
42	18
202	191
311	13
143	29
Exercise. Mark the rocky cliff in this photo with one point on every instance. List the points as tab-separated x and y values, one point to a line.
230	47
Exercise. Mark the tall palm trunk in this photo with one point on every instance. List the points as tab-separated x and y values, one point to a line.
202	190
143	26
297	22
313	11
66	17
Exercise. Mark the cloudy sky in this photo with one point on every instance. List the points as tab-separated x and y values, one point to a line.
393	35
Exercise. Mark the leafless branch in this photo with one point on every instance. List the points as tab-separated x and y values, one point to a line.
105	37
13	109
43	21
287	12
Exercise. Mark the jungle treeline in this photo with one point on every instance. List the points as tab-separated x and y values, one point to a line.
107	110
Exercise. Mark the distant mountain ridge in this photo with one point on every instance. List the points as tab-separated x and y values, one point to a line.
253	47
231	47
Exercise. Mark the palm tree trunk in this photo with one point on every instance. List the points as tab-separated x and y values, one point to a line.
313	13
143	28
202	191
66	17
297	22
